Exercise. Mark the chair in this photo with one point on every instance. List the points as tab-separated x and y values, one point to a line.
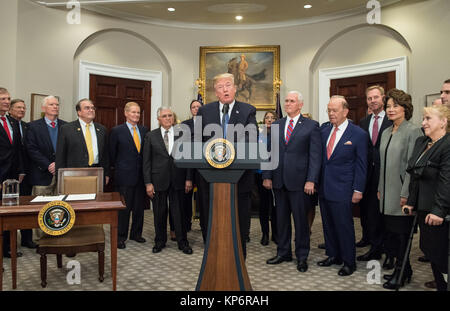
80	238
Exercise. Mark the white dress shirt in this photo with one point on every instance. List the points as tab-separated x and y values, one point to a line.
381	116
171	138
93	138
339	133
229	110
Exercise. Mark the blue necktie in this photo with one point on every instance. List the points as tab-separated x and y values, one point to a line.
225	119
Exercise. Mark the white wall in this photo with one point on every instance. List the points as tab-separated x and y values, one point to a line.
46	47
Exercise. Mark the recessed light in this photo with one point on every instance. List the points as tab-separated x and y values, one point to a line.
171	9
308	6
238	18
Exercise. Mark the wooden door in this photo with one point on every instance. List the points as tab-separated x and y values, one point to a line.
110	95
354	90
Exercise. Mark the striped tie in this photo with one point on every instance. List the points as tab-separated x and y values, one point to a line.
90	150
289	130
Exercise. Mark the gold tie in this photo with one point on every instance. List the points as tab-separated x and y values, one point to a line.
88	139
136	139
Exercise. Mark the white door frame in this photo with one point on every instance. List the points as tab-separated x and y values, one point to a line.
88	68
399	65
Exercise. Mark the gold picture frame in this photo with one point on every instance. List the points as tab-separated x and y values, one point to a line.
36	106
257	79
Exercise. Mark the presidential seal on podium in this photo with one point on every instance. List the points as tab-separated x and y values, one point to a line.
220	153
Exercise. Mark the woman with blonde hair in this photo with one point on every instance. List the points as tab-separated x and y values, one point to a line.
429	195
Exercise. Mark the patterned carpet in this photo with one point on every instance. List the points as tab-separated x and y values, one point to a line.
171	270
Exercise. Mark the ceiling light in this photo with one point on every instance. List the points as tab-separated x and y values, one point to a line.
171	9
308	6
238	18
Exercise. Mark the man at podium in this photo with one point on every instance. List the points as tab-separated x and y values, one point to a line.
225	112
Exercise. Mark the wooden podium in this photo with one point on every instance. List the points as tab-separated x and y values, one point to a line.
223	267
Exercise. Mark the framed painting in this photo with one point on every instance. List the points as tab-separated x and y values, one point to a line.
36	106
431	98
256	71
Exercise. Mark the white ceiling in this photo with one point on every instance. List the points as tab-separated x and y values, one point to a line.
221	14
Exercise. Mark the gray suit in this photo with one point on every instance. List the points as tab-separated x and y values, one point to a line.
394	155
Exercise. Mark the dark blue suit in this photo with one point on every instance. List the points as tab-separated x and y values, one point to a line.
40	151
341	175
128	178
244	114
298	164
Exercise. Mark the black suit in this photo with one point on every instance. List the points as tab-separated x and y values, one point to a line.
71	150
11	164
429	193
168	182
25	185
129	180
40	151
244	114
371	219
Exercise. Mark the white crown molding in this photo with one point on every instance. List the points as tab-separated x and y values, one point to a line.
88	68
399	65
160	22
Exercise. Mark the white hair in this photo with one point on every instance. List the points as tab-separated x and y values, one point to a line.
299	95
46	99
158	112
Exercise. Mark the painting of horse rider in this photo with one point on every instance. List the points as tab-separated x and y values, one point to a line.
254	69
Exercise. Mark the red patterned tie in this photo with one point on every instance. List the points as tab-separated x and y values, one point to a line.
5	126
53	124
375	131
289	130
331	143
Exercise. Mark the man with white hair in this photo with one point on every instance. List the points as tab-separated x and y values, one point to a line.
164	182
296	176
41	146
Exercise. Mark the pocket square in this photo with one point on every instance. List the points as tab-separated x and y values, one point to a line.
348	143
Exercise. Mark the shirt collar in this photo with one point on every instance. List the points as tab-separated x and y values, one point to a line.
83	124
49	122
130	126
231	105
380	115
294	118
343	126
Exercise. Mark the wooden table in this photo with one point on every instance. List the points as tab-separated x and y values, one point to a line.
103	210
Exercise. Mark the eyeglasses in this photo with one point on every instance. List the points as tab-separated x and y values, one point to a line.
90	108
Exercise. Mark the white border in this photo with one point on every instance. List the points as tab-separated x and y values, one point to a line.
87	68
399	65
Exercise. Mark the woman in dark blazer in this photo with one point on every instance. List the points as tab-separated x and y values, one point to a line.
429	168
266	206
396	146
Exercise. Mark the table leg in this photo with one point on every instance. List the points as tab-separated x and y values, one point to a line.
13	243
113	240
1	258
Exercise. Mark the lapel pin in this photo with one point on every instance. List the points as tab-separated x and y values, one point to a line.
237	111
78	129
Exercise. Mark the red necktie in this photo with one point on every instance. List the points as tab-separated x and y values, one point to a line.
331	143
5	126
375	130
289	130
53	124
